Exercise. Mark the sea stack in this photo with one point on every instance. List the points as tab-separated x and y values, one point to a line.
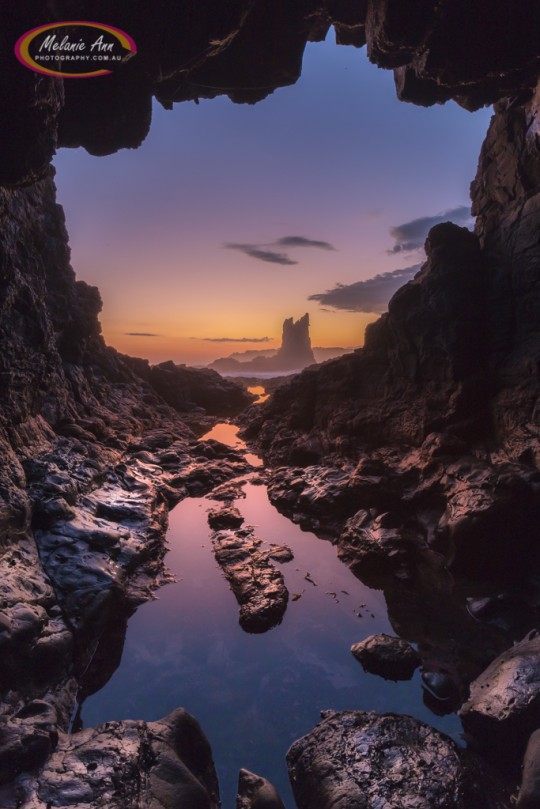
295	352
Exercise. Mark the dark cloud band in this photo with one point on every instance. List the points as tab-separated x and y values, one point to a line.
263	252
371	295
234	339
255	251
301	241
412	235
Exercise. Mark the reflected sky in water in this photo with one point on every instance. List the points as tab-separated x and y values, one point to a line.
253	694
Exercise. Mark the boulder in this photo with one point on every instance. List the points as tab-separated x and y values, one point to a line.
226	517
529	791
255	792
504	704
356	759
391	658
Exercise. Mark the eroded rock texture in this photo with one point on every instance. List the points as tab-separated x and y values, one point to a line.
504	705
355	759
257	584
125	765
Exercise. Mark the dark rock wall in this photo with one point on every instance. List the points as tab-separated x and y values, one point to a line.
475	53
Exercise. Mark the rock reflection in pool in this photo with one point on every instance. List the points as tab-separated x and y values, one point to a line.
253	694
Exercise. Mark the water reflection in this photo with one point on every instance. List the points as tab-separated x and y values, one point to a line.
260	392
253	694
227	433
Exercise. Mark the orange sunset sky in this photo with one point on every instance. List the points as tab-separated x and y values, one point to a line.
336	159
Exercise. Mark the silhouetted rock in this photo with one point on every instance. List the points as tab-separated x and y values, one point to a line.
188	388
355	759
247	49
294	354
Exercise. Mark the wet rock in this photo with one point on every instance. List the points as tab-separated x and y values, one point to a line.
255	792
504	705
125	765
227	517
381	548
508	611
257	585
355	759
229	491
441	694
201	477
529	791
391	658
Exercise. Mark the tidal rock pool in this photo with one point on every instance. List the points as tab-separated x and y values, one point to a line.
254	694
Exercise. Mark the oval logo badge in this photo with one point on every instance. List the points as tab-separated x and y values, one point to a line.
74	50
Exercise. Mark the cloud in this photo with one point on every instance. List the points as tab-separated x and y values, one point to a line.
412	235
140	334
371	295
263	252
301	241
254	251
234	339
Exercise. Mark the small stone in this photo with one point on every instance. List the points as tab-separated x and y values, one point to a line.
391	658
223	518
255	792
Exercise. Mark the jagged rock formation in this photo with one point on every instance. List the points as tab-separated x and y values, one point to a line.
247	48
294	354
295	351
433	426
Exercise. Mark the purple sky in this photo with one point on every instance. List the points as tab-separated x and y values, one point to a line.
189	237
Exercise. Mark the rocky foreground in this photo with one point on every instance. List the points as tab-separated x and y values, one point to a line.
419	453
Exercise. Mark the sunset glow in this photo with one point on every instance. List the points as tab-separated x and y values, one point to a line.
229	217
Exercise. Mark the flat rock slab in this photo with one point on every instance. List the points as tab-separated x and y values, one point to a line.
391	658
258	586
357	760
504	704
